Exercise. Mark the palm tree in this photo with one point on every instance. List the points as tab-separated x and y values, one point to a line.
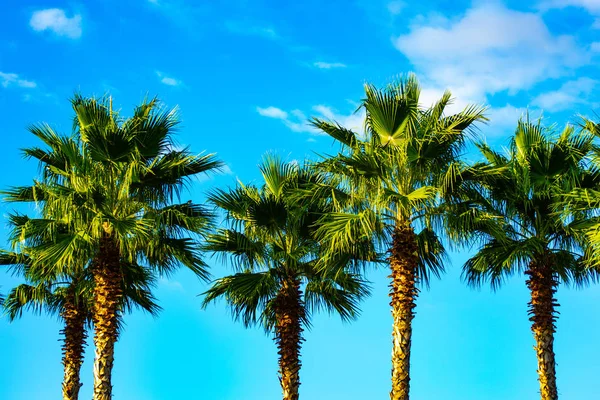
115	182
69	296
390	179
585	200
281	276
511	211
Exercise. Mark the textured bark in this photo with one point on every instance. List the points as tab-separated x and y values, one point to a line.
542	284
403	293
74	315
107	297
288	336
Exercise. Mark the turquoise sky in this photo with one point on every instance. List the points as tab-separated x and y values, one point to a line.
246	75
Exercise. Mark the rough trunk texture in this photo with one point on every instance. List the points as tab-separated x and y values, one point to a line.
403	293
288	336
74	315
542	284
107	297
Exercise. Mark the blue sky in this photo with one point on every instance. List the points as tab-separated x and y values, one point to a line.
246	76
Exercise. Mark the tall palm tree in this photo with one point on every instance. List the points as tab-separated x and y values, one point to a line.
68	296
511	212
281	276
585	200
116	182
390	178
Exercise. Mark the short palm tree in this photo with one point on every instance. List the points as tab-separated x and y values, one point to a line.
281	276
70	296
390	179
511	212
115	182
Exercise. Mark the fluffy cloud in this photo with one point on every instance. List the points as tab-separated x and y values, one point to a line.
168	80
9	79
571	93
326	65
490	49
55	20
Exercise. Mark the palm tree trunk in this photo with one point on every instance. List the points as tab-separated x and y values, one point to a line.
288	336
542	285
74	344
107	297
403	293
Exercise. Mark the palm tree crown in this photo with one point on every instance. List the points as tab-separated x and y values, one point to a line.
115	182
512	211
282	277
389	180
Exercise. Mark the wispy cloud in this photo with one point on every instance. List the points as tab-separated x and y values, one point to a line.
10	79
168	80
297	121
395	7
171	284
224	171
326	65
272	112
591	6
576	92
252	29
56	20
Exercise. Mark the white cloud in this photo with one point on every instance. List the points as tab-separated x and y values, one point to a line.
326	65
297	121
167	80
571	93
55	20
226	170
430	94
354	121
395	7
503	119
592	6
10	79
272	112
490	49
170	81
171	284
